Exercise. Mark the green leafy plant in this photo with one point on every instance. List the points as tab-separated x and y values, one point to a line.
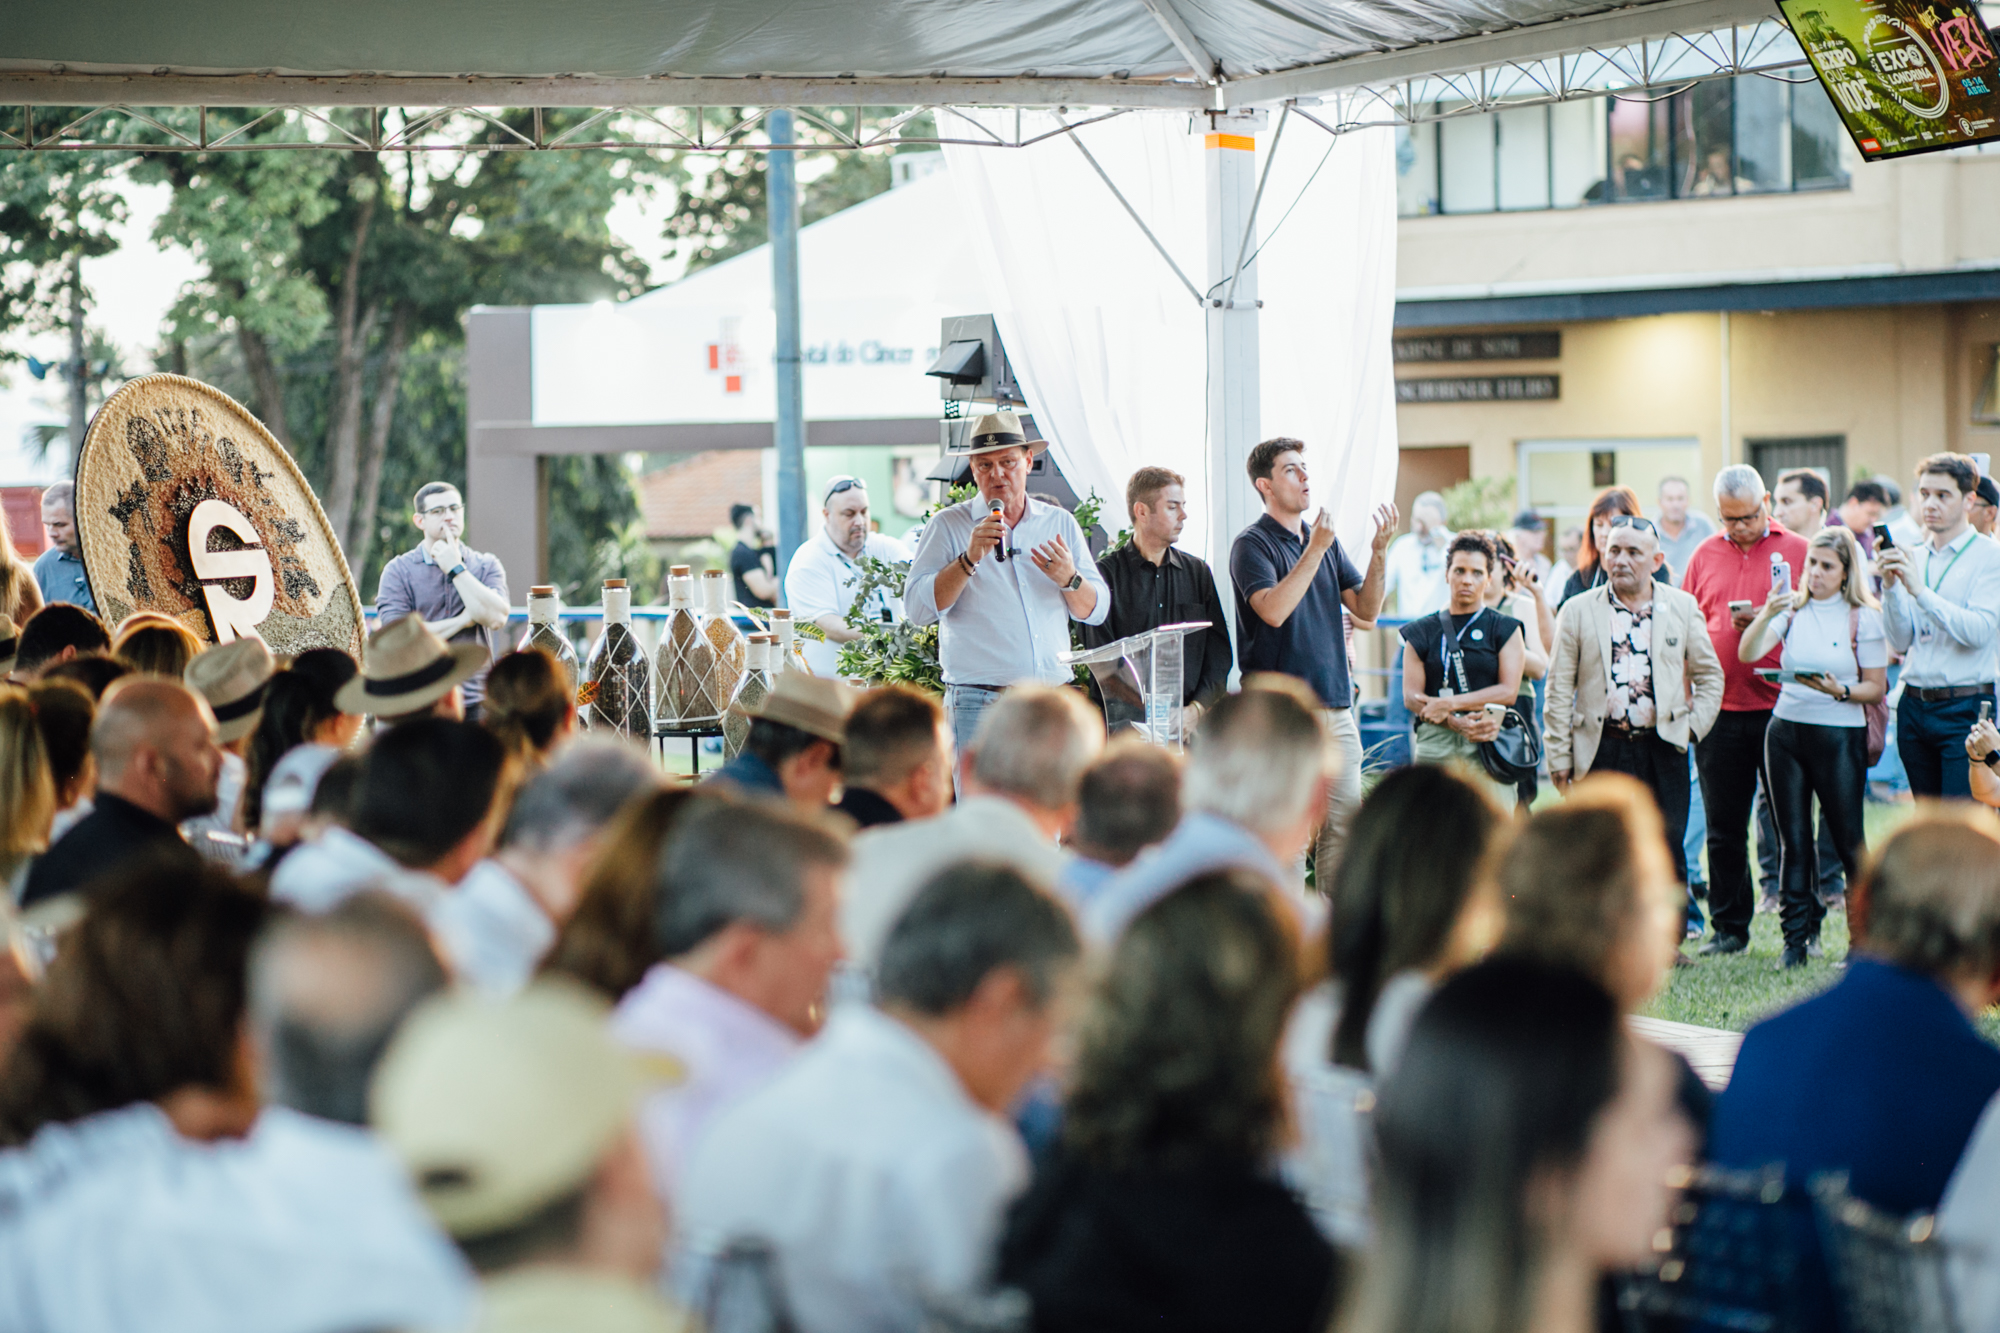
902	653
1480	502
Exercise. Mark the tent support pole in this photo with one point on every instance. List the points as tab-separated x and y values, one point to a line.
782	198
1229	167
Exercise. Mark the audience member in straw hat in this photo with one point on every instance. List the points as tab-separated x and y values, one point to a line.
505	914
155	643
234	678
421	816
793	750
1019	785
409	672
515	1120
157	761
56	633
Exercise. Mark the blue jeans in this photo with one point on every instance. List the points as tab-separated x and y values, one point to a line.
1931	739
965	705
1696	840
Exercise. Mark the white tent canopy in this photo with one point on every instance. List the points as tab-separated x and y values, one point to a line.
1188	54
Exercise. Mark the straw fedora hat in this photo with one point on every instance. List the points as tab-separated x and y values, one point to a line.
407	668
10	643
996	430
813	704
233	678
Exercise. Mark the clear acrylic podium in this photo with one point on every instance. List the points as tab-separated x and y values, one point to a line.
1144	673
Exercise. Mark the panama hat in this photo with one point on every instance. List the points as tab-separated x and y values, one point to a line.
813	704
500	1107
10	643
233	678
996	430
407	667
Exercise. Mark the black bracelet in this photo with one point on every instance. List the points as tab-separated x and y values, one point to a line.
966	562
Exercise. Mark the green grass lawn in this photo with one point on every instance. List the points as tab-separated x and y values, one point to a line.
1735	990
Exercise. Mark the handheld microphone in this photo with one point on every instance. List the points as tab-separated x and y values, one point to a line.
993	508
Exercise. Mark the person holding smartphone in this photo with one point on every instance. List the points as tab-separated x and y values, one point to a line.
1834	660
1982	747
1941	608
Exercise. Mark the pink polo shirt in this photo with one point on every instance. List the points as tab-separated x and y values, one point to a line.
1720	572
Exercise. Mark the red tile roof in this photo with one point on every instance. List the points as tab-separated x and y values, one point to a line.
691	498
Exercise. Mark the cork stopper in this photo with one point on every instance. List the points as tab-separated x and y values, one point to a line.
681	571
614	583
781	613
542	590
711	573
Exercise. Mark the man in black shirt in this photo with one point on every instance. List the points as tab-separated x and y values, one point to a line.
753	564
157	761
1155	583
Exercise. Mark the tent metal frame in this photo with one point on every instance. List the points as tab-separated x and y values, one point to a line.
1642	70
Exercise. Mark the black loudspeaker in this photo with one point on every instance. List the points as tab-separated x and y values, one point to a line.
972	365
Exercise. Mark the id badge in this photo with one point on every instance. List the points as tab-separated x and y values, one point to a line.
1926	630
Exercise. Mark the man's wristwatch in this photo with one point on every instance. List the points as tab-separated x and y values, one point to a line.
456	570
1991	759
1075	582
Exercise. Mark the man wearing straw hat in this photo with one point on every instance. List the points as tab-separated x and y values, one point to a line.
1001	575
411	673
793	749
232	677
459	593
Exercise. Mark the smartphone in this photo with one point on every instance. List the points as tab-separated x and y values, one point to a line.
1985	710
1883	542
1781	575
1500	710
1739	608
1781	677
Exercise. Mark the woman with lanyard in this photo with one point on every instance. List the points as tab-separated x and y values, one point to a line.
1836	661
1458	662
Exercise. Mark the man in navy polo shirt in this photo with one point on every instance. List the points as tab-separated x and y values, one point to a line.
1291	583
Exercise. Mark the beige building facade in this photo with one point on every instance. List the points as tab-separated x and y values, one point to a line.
1706	315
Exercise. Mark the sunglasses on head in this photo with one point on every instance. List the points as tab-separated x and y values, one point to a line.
1628	521
842	484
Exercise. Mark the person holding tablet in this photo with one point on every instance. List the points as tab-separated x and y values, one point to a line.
1835	661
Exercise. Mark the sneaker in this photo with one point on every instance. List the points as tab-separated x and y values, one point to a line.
1694	930
1724	944
1767	905
1794	957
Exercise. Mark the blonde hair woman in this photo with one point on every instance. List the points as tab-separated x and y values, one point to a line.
1836	661
20	596
155	643
27	792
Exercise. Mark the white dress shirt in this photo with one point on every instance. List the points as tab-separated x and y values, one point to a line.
821	581
1010	621
889	863
1945	630
1413	570
492	930
1333	1105
320	875
728	1047
880	1184
1202	843
115	1222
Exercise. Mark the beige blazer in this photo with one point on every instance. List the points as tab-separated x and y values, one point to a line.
1687	676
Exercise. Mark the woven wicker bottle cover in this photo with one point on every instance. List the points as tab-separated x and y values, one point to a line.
754	688
186	505
685	663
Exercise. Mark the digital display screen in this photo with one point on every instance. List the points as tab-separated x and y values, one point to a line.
1906	77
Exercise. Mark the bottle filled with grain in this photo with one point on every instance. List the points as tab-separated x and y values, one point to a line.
545	631
754	688
686	664
726	641
619	676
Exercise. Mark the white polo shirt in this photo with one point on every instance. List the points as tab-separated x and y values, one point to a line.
821	581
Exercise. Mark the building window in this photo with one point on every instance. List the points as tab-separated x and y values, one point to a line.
1746	135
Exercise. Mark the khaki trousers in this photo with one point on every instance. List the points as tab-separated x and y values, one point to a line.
1343	794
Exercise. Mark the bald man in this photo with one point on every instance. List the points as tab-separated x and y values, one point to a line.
157	761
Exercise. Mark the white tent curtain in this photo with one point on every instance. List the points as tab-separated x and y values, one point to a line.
1108	344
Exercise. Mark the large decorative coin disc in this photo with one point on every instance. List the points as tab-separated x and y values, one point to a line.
185	504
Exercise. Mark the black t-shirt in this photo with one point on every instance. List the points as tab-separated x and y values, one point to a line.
746	558
1479	638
